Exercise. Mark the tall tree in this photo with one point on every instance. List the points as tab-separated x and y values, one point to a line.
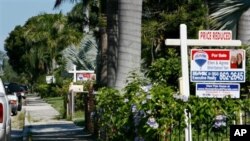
34	47
124	40
85	5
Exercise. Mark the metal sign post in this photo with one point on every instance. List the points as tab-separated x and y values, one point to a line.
222	39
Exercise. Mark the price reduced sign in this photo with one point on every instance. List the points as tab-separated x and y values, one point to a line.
217	65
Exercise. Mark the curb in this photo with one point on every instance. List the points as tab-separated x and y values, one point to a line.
26	127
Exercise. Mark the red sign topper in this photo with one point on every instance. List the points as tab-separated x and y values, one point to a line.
214	54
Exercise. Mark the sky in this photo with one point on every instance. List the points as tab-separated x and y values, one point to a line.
17	12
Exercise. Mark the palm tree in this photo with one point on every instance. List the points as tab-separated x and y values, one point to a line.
124	40
233	14
228	14
85	23
51	31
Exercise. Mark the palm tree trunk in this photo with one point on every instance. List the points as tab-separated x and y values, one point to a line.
86	14
244	28
129	51
112	31
102	67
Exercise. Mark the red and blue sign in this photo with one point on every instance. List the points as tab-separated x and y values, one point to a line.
217	65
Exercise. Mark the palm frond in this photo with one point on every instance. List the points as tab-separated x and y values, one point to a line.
226	13
83	57
59	2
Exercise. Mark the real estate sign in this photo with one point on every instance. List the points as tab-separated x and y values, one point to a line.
217	65
84	76
216	90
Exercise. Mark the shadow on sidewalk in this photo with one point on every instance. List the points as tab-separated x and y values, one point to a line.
58	132
16	134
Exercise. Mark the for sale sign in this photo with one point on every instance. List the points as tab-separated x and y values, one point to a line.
217	65
218	90
84	76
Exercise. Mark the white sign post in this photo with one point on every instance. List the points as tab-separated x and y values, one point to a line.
183	42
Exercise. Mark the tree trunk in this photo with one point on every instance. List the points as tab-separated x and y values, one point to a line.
244	28
112	30
124	44
102	66
129	50
86	14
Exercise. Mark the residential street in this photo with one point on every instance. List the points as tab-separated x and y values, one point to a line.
41	125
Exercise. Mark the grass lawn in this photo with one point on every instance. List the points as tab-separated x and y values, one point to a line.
56	102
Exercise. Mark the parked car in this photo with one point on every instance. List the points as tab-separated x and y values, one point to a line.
14	88
25	90
13	100
5	119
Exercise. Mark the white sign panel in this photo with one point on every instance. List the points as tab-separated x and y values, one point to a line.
50	79
215	35
218	90
217	65
76	88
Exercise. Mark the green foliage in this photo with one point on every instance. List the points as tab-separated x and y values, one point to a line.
113	115
33	48
162	19
120	121
42	89
166	70
124	115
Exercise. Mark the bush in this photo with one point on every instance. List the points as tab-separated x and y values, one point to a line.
152	113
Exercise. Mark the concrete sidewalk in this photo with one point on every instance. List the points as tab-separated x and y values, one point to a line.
41	124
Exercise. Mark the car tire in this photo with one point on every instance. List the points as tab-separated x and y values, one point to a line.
14	113
19	107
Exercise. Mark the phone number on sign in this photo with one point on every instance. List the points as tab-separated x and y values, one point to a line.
221	76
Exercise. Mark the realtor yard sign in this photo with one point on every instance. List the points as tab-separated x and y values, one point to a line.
217	65
209	65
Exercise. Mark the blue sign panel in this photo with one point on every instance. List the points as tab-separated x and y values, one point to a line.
214	90
218	76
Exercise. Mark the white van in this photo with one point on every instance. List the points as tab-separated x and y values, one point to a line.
5	118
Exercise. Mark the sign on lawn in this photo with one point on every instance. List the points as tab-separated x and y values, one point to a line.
217	90
217	65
